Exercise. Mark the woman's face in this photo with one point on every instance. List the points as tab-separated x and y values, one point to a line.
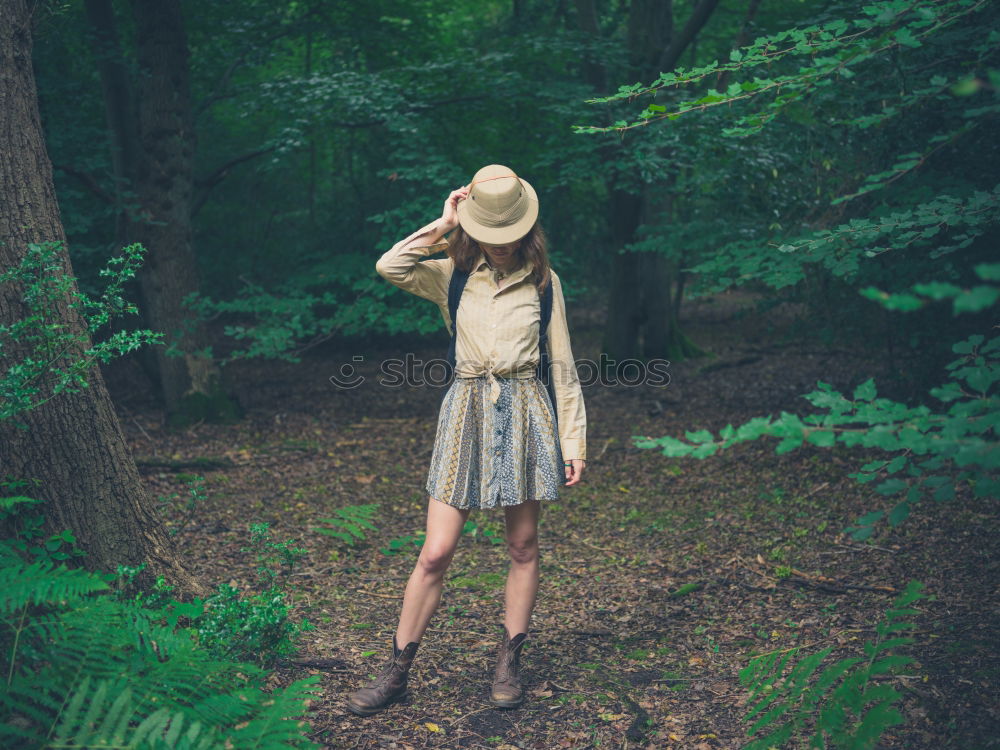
500	254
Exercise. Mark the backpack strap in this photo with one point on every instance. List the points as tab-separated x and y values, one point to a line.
544	372
455	288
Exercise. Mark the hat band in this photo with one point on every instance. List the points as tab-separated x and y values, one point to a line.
488	218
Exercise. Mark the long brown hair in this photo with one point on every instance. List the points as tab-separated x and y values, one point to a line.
463	250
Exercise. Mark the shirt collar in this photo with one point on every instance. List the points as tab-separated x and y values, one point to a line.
517	275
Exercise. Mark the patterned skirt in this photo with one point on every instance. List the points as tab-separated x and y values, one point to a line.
488	454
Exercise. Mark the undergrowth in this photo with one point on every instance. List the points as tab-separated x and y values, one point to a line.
83	666
847	706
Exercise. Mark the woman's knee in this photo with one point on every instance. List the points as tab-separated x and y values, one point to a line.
523	548
435	559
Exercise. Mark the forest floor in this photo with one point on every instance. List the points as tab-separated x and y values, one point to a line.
660	577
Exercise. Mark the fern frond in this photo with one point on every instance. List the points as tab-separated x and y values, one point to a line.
350	522
9	554
106	673
154	725
42	583
875	722
13	735
277	726
109	709
840	702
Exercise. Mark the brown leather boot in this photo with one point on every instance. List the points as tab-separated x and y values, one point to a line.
389	686
507	691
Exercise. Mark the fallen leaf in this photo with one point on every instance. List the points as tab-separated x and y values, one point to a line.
432	727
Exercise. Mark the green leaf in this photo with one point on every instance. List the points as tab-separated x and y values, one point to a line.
865	391
822	438
891	486
976	299
988	271
700	436
788	444
899	513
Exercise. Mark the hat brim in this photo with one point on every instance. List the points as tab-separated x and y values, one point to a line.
505	234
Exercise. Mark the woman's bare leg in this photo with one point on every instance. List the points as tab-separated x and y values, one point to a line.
522	580
423	590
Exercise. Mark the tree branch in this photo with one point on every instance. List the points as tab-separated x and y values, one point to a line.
673	52
219	174
88	182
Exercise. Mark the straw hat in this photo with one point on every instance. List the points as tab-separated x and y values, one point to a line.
501	207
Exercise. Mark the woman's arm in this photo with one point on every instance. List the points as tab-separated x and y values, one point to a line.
572	413
401	265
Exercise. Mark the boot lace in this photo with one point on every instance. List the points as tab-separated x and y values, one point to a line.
387	672
507	667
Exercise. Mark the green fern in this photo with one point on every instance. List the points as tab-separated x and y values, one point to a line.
855	714
173	695
82	668
43	583
106	713
404	542
350	522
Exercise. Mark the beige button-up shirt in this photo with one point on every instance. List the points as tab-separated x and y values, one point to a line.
499	331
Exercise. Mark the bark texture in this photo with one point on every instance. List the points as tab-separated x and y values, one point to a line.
74	445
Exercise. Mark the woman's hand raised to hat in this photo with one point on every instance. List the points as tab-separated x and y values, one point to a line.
449	217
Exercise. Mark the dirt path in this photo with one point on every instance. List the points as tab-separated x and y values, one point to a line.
616	658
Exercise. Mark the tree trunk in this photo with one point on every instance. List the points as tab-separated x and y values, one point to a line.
74	444
621	330
663	283
152	136
642	321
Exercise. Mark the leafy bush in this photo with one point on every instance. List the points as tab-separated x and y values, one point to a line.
274	559
855	714
57	359
255	628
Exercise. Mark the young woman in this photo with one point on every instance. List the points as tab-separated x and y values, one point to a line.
499	440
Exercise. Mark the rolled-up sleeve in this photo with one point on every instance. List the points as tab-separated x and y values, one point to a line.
404	267
570	409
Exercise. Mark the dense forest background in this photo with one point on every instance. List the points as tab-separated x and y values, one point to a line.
729	186
315	136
